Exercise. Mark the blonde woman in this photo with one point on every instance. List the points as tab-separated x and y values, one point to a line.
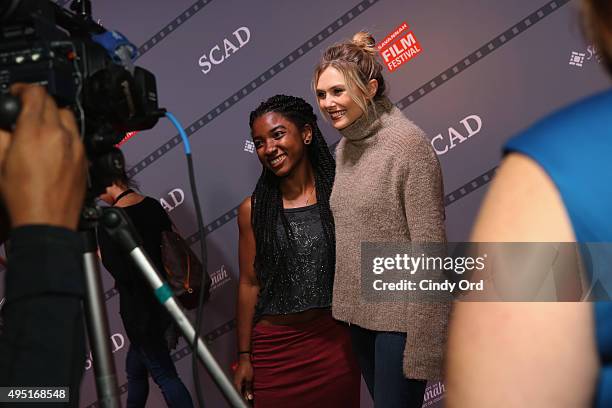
388	188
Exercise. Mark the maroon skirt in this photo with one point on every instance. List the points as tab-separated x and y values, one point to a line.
304	365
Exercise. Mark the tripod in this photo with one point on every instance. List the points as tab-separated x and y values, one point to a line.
119	228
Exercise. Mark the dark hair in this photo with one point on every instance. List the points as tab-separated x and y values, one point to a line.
116	174
598	24
124	180
267	200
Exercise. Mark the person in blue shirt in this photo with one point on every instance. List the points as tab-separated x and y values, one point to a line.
552	186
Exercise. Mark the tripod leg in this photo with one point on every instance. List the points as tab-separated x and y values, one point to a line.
97	327
164	295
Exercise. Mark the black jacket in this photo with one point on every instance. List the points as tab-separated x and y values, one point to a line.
43	338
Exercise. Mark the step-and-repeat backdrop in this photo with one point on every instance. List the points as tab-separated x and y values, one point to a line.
470	73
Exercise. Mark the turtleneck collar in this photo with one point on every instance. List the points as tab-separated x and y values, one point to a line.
367	125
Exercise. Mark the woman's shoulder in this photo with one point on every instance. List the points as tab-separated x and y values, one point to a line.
245	205
244	212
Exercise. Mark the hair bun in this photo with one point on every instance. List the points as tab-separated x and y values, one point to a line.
365	41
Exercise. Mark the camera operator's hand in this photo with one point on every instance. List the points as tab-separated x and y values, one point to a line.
42	163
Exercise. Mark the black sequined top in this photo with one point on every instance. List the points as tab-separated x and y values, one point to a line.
306	280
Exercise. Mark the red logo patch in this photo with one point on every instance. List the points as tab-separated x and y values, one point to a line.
399	47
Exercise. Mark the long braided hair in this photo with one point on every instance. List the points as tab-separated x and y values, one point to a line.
267	200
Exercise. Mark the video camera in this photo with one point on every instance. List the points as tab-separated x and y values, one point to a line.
84	67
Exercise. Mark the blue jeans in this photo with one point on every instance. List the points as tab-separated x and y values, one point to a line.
154	359
380	356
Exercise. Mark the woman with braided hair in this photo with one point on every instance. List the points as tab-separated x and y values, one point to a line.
388	188
292	353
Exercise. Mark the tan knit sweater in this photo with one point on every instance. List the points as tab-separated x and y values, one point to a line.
388	188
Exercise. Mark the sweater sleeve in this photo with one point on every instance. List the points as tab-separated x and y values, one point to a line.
423	192
423	195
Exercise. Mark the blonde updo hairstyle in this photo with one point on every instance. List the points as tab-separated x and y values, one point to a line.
356	61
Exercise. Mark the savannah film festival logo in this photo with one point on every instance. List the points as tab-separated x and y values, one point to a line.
399	47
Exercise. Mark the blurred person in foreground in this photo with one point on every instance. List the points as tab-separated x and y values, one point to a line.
552	186
42	183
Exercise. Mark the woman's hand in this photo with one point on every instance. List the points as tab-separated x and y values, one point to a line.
243	377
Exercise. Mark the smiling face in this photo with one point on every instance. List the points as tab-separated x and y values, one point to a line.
335	100
279	142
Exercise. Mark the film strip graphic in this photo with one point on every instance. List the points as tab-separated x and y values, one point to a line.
255	83
469	187
482	52
186	351
172	26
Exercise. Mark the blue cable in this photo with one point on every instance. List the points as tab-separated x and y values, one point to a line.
198	210
178	125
